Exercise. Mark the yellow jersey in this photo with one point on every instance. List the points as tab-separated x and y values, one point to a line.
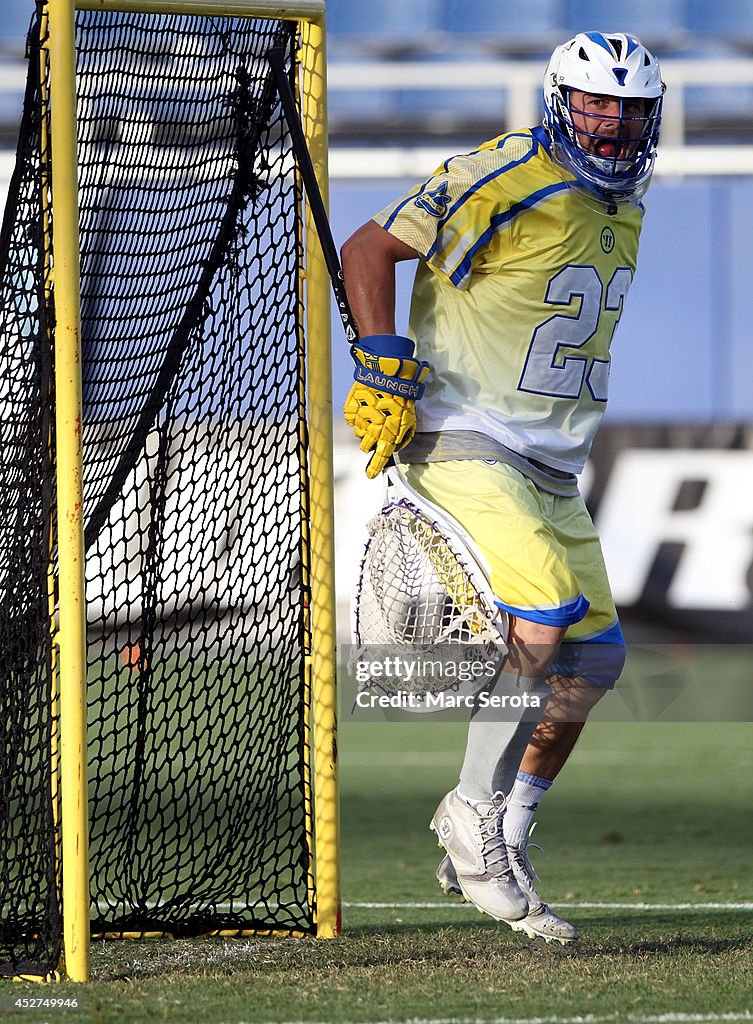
516	298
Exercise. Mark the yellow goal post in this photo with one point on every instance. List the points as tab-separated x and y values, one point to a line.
71	636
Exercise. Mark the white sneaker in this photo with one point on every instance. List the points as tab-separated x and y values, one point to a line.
472	837
541	922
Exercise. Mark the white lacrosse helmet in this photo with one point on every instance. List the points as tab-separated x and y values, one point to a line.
605	64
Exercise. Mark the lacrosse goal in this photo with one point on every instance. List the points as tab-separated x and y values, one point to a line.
167	708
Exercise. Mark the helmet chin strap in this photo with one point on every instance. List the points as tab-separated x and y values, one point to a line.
607	165
607	195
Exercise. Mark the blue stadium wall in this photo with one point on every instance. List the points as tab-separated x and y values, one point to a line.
670	481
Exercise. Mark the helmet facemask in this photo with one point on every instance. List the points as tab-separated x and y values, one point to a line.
622	171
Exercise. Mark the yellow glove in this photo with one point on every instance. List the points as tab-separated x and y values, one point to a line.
380	406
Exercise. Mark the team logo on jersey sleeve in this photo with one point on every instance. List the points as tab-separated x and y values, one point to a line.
434	201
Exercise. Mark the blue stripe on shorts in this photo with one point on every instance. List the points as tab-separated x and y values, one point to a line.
598	659
564	615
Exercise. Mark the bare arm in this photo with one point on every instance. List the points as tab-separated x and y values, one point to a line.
368	261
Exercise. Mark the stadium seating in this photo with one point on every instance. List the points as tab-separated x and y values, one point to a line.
398	26
420	24
731	19
648	19
456	30
529	23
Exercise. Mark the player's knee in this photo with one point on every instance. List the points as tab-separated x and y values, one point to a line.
533	645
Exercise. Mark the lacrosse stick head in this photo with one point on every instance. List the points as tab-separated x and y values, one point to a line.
423	594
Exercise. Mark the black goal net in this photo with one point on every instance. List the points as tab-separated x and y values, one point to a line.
195	488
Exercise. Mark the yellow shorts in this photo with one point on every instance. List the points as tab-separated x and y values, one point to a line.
542	549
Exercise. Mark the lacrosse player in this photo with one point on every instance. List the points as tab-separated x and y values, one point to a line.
526	252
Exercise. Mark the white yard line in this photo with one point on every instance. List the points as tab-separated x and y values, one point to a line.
442	759
587	1018
643	907
112	908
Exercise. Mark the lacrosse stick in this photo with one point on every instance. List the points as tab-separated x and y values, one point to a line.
423	592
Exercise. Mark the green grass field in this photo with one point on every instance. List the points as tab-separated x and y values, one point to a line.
648	839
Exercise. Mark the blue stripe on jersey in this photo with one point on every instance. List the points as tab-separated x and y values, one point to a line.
390	220
565	615
445	167
542	138
483	181
501	221
473	152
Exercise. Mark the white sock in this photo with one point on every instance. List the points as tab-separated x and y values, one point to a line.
521	806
